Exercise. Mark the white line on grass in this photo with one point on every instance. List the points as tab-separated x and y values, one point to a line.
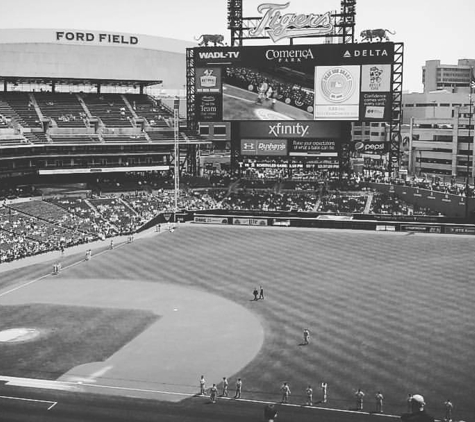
24	285
21	286
173	393
53	403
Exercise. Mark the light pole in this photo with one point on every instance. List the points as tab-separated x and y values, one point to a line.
467	183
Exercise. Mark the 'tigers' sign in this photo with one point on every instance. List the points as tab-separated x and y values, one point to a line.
290	25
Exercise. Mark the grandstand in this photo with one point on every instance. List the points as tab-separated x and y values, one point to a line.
96	113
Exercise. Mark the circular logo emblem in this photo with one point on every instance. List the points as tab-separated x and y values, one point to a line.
337	85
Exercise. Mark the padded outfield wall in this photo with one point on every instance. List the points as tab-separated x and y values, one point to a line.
92	55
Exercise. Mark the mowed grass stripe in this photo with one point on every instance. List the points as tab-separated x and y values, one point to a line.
386	311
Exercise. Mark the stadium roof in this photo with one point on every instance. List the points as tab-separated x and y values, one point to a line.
91	57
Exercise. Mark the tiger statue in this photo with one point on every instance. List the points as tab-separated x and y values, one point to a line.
210	38
380	34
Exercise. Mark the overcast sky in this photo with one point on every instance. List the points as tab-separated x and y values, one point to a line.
430	29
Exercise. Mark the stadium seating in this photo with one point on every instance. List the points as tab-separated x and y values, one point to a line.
74	139
18	106
64	109
154	112
110	108
124	138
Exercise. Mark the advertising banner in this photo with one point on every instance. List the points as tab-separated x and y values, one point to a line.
211	220
278	82
258	222
375	102
373	148
421	228
313	147
459	230
208	79
337	93
241	221
209	107
277	147
293	130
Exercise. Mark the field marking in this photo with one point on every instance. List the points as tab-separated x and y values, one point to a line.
73	264
174	393
29	382
24	285
53	403
240	98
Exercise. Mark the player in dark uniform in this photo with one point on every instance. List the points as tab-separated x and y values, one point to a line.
418	412
270	413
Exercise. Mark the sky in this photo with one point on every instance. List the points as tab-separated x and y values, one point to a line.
430	29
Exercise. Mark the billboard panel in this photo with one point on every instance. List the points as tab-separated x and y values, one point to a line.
337	93
264	147
291	138
299	82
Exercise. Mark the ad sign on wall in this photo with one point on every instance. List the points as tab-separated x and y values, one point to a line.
209	99
313	147
293	129
375	101
277	147
208	79
337	92
209	107
299	82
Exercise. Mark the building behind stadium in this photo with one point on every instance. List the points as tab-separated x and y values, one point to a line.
437	131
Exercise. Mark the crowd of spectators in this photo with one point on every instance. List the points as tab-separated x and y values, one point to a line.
430	183
267	200
37	226
283	90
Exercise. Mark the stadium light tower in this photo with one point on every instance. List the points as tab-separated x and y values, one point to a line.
467	182
176	135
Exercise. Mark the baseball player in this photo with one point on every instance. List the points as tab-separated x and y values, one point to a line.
213	391
285	392
379	402
225	387
324	392
359	399
309	392
238	389
448	410
202	385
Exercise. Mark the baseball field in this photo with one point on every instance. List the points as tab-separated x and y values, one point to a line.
240	104
387	312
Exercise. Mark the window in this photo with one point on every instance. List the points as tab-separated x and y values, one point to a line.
220	130
204	130
443	138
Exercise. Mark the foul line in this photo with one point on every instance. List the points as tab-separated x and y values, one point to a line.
53	403
21	286
173	393
24	285
18	381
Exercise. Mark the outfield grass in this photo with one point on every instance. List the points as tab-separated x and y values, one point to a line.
386	311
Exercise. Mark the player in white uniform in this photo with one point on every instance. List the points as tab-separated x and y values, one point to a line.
285	392
309	391
261	91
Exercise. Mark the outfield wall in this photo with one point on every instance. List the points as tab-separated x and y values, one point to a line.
331	222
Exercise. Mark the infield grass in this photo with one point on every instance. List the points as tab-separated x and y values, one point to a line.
68	336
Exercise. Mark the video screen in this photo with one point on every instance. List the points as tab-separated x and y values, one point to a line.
301	82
